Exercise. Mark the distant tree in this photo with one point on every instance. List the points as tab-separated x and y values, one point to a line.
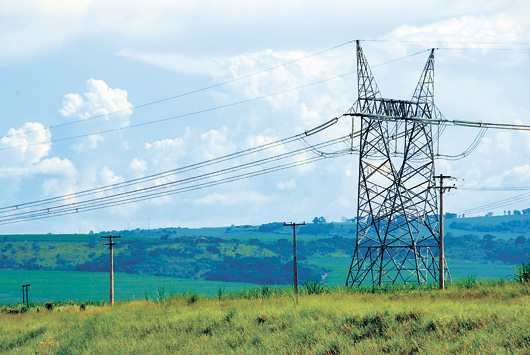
319	220
450	215
516	212
489	214
526	211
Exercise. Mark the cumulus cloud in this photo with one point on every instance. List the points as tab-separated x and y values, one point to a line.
28	148
108	105
29	144
308	103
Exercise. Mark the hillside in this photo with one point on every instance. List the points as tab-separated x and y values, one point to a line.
467	318
484	246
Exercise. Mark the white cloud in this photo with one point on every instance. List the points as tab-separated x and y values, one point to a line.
287	185
215	143
99	100
28	144
165	144
137	167
107	177
511	25
516	176
27	148
28	27
175	62
504	141
232	199
166	152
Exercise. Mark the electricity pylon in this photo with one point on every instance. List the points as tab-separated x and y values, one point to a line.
397	220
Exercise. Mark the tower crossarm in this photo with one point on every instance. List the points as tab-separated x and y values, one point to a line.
393	109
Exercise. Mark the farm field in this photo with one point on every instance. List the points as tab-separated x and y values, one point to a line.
76	285
468	318
74	266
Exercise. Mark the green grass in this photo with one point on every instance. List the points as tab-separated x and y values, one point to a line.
478	317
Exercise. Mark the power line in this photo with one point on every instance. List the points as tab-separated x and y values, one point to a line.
169	173
498	204
189	114
191	179
191	92
448	42
179	116
176	191
17	214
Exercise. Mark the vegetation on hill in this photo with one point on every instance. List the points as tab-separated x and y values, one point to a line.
253	254
470	317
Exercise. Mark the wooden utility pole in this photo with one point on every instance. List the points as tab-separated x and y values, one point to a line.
25	288
441	265
111	271
295	265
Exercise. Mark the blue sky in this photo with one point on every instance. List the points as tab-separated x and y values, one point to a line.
68	61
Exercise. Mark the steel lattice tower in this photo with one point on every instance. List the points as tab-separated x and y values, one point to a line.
397	218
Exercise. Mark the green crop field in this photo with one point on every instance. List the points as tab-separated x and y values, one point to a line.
77	285
65	285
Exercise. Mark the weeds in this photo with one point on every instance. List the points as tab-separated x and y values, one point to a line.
467	282
191	297
314	287
469	317
48	347
522	272
220	293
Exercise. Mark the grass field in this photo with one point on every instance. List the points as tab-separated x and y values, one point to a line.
467	318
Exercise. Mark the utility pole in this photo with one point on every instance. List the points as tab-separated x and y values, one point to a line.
295	265
25	288
441	265
111	288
